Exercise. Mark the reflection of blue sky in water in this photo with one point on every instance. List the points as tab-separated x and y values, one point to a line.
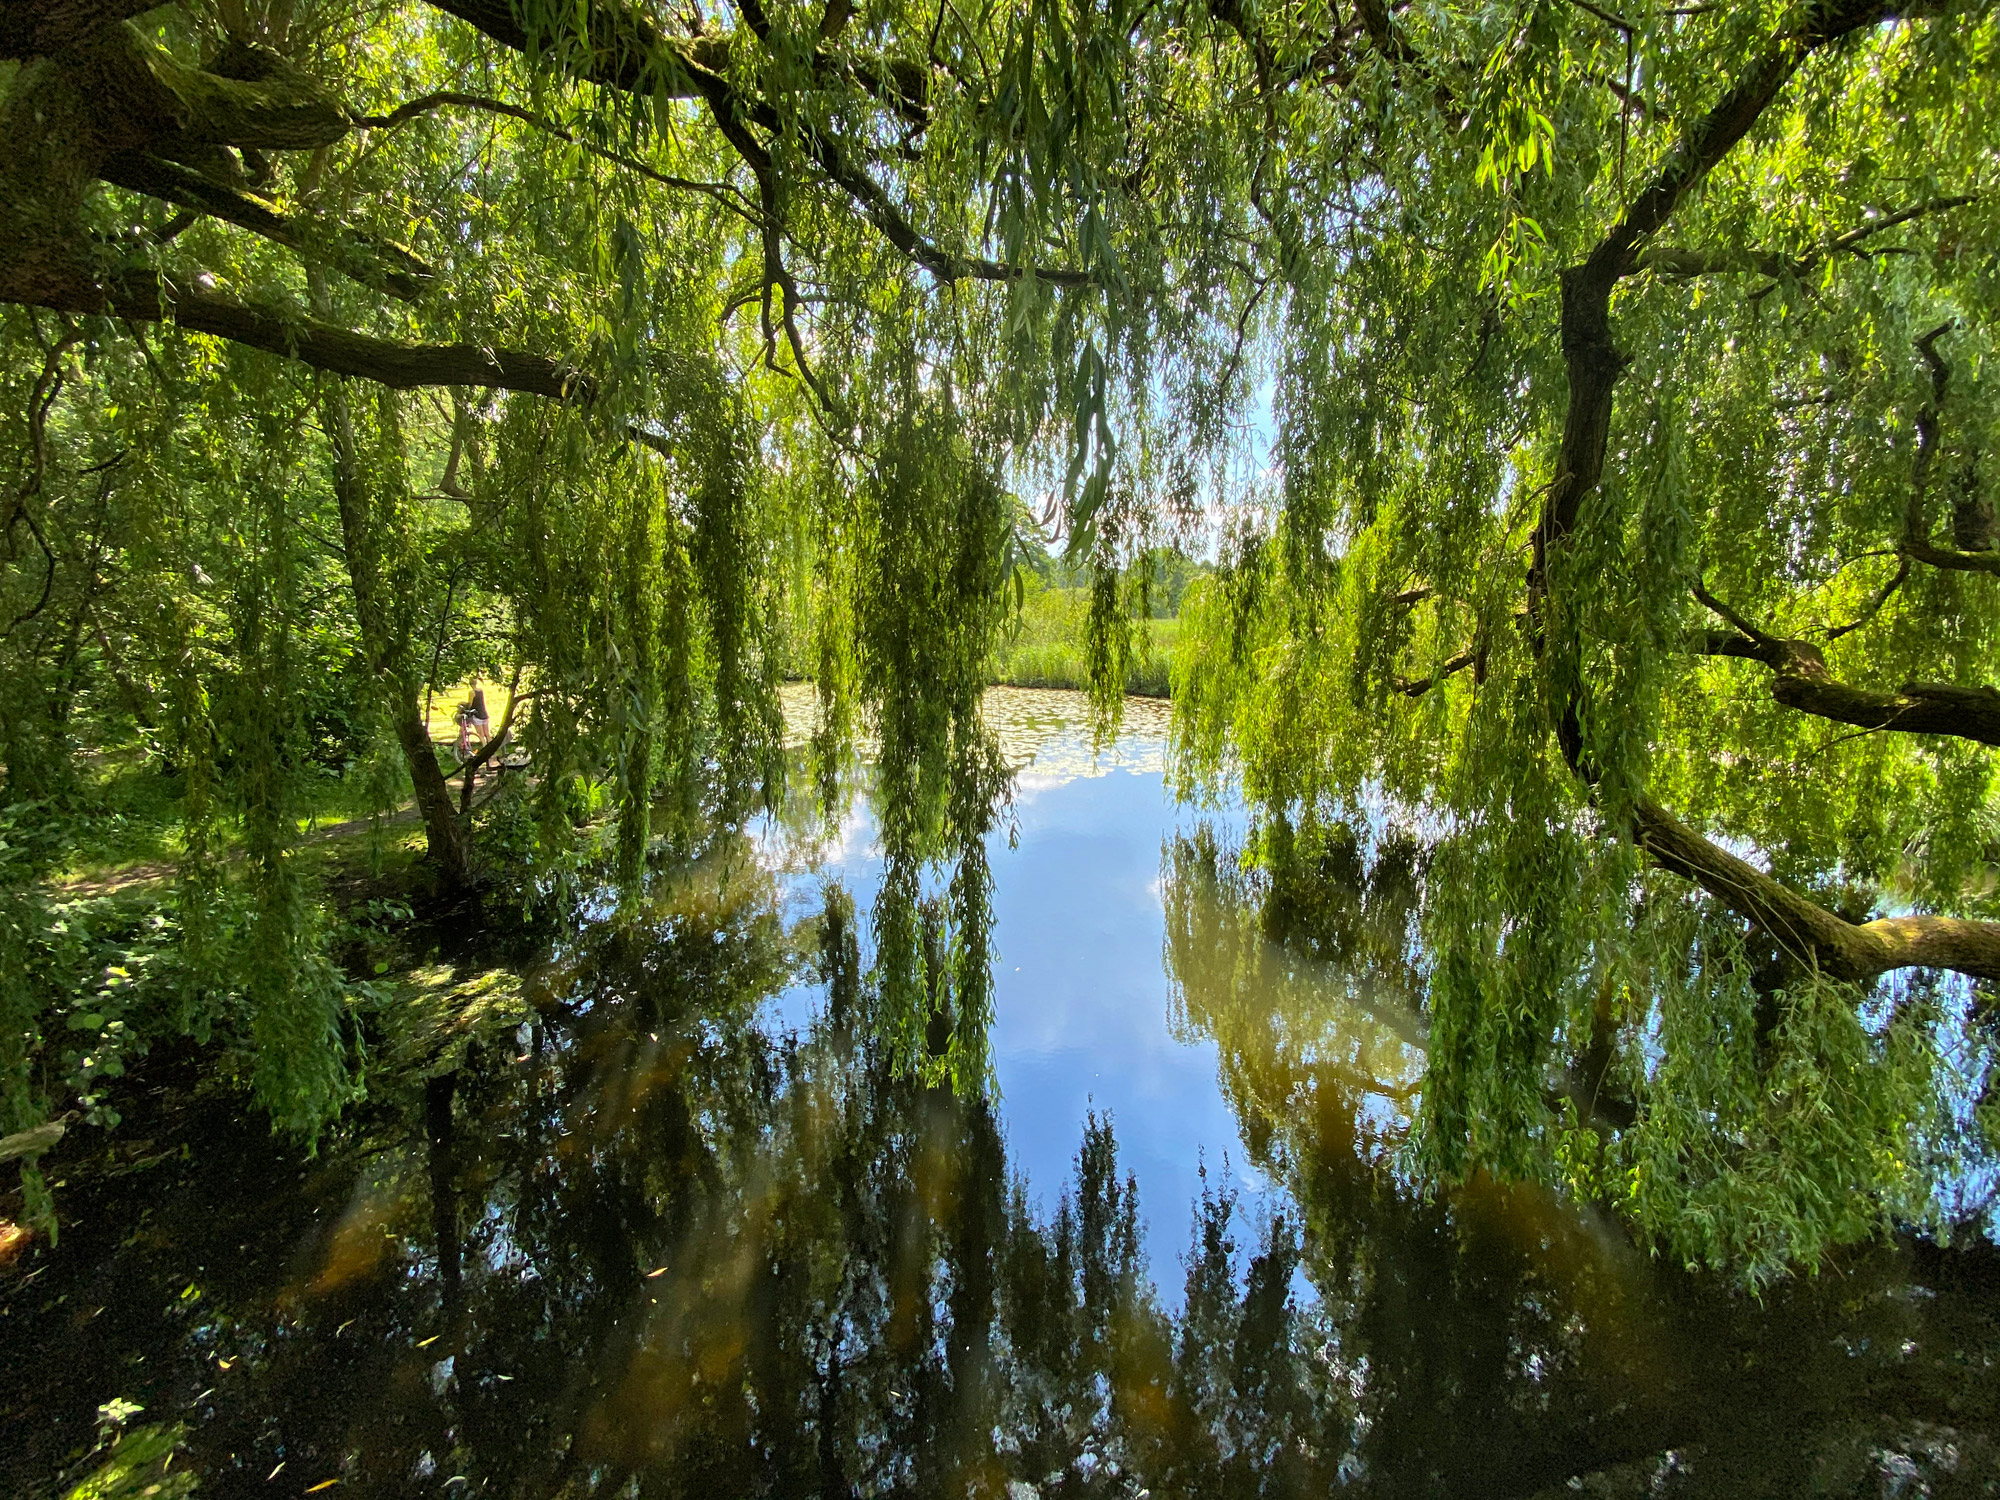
1081	991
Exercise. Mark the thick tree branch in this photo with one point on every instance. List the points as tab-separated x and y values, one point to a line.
624	50
344	352
621	47
1593	358
120	107
144	98
379	263
1917	541
1717	132
142	297
1852	951
1809	932
1801	681
1384	33
1957	562
1855	951
1672	260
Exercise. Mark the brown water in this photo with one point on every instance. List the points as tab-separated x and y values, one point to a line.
649	1215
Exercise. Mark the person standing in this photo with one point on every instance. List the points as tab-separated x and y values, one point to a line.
471	716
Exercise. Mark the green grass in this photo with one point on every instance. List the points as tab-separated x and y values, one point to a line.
1046	650
125	826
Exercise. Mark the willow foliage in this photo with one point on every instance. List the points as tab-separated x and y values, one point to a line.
1624	379
1615	415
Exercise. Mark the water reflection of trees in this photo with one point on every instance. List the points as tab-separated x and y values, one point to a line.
1501	1340
648	1248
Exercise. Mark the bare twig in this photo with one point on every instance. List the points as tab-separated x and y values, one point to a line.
1603	15
1761	637
1416	688
1675	261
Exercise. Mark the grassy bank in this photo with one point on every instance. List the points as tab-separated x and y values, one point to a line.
1047	647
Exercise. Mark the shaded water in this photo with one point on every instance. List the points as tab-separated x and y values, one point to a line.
651	1216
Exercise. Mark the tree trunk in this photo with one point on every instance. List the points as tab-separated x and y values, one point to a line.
444	835
387	650
1805	932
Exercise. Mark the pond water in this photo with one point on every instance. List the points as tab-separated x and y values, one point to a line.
650	1214
1083	1000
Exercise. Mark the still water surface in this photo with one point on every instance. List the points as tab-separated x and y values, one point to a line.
649	1214
1083	1008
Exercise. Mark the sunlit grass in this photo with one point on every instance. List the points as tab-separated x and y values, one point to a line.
1046	647
126	831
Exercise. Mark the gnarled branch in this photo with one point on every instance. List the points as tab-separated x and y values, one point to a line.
1801	680
1856	951
1853	951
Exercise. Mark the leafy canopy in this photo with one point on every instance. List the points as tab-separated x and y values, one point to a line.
1623	375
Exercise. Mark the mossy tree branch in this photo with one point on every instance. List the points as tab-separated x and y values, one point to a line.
1859	952
119	109
326	346
36	28
375	262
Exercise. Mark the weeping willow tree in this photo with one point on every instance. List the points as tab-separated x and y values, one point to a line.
1632	547
1622	369
354	351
